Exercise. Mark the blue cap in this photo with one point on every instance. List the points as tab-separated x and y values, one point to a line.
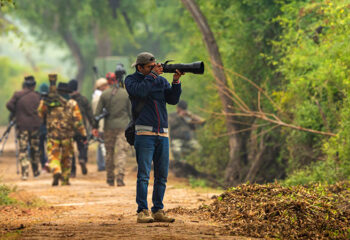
44	88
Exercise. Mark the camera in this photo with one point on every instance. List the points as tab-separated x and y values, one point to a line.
195	67
119	73
102	115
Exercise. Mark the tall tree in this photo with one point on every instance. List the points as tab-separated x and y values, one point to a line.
233	168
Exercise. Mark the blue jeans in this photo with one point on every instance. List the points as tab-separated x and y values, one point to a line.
150	148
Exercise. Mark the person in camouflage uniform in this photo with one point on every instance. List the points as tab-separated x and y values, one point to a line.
116	101
182	124
63	119
23	106
88	120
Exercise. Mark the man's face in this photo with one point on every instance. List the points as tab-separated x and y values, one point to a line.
180	111
146	69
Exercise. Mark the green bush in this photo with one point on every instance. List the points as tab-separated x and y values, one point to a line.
315	64
4	198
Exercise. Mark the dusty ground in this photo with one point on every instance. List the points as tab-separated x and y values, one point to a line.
89	209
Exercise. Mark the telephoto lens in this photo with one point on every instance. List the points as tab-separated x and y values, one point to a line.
195	67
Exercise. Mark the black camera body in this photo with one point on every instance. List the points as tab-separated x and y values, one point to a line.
104	114
195	67
119	73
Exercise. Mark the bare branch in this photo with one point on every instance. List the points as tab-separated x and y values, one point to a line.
253	84
259	107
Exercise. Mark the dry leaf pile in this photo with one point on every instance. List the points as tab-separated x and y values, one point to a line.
272	211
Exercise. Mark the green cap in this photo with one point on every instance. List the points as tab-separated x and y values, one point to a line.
144	58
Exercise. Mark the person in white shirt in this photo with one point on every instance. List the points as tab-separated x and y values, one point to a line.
100	86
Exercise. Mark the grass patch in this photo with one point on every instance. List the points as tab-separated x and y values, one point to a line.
11	196
5	191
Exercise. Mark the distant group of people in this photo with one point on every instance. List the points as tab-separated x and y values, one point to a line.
59	116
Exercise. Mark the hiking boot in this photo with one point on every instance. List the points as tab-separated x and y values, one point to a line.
65	180
160	216
110	183
25	176
25	173
72	174
36	174
35	169
144	217
84	170
120	183
56	178
65	183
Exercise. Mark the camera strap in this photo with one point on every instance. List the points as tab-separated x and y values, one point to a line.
114	92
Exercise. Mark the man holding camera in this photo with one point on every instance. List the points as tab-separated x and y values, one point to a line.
116	105
151	91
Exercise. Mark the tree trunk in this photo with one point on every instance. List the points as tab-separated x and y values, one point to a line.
77	55
256	151
103	42
232	174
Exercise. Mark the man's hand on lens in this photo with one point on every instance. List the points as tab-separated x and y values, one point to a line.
158	69
177	75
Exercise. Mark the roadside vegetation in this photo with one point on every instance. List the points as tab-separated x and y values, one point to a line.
286	59
271	211
5	199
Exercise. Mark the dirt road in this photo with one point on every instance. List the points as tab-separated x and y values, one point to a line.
89	209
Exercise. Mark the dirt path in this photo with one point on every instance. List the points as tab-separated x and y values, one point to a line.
89	209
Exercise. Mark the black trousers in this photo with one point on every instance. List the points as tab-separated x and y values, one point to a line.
82	156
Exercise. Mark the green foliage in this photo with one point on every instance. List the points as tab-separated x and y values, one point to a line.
315	65
212	158
197	183
5	26
4	4
243	31
4	198
12	76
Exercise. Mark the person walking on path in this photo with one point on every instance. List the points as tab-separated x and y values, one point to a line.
88	117
147	87
115	100
63	119
100	86
23	106
44	91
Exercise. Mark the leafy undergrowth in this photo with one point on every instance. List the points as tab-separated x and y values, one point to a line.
4	195
275	212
